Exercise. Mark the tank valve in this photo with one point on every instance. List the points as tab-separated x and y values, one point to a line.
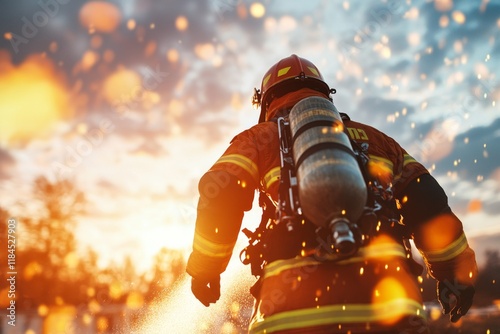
343	238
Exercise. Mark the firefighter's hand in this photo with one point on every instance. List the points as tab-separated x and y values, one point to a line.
207	291
455	298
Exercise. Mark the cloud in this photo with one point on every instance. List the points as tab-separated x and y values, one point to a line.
375	110
479	25
7	163
475	153
204	74
149	147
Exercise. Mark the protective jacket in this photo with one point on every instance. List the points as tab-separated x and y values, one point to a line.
371	291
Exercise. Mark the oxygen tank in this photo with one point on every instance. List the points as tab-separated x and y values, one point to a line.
331	187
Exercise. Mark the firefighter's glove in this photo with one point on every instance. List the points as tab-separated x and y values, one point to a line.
455	298
207	291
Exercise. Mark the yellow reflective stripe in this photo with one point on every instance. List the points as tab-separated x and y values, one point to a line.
338	314
313	70
272	176
382	159
408	159
210	248
371	252
265	80
382	162
284	71
243	162
452	250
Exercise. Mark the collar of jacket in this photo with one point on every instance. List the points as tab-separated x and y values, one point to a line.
287	101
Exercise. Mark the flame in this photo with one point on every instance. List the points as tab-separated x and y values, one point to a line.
23	118
100	16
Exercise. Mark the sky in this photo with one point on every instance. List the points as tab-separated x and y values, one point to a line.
134	100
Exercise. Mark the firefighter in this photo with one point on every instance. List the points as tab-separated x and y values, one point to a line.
373	291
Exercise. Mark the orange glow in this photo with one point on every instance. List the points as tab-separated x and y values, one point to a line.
7	36
32	269
444	21
108	56
53	47
257	10
173	55
71	260
387	290
4	299
435	313
131	24
121	86
94	306
135	300
96	41
89	59
181	23
414	38
412	14
242	11
443	5
87	319
236	102
150	48
115	290
22	118
439	232
60	320
102	324
90	292
475	205
204	51
287	23
380	170
43	310
100	16
458	17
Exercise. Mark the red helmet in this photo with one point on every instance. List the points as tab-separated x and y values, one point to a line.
287	75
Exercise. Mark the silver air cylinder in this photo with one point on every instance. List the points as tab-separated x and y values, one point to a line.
331	187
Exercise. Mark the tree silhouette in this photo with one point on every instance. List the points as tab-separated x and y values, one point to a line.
168	266
48	256
488	282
